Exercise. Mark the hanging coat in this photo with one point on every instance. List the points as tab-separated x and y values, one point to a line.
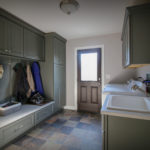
37	77
21	86
30	81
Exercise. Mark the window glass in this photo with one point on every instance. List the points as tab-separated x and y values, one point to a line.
89	67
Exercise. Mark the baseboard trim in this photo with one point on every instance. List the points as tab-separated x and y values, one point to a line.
70	107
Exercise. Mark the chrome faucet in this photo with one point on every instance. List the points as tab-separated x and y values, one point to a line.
135	87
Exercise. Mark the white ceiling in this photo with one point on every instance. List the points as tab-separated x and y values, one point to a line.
94	17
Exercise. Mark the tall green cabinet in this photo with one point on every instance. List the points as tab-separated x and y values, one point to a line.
53	70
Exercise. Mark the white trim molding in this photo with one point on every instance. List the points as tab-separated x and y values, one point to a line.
70	107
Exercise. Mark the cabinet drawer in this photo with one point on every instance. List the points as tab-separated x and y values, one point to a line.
43	114
15	129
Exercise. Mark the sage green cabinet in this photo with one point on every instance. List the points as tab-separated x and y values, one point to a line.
15	129
2	34
59	87
43	114
122	133
59	52
20	39
33	45
11	37
1	138
53	70
135	36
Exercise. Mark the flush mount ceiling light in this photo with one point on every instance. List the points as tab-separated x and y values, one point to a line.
69	6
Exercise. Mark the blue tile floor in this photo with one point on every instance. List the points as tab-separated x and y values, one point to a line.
68	130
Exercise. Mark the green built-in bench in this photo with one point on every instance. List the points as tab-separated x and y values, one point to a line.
16	124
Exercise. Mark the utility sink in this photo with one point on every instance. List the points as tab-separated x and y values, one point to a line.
129	103
9	107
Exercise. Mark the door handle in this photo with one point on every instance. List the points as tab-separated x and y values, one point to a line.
99	79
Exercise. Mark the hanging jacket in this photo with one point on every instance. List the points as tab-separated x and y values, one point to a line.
21	86
37	78
30	81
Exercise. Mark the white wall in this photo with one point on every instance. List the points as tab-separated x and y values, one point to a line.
112	57
141	72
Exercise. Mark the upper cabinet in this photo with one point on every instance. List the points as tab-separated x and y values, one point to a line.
33	45
59	52
20	39
11	38
135	36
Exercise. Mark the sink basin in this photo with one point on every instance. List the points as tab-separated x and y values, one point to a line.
9	107
129	103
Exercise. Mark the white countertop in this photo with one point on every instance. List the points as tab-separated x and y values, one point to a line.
24	111
121	113
121	89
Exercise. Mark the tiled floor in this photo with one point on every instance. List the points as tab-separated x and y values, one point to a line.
68	130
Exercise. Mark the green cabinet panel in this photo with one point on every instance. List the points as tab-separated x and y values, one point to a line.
135	36
11	38
15	129
1	138
59	86
125	46
33	45
19	39
43	113
2	35
15	39
53	70
126	133
62	86
59	52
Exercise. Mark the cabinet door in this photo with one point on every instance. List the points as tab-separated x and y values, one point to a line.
3	26
56	87
43	113
59	86
33	45
14	39
59	52
1	142
15	129
128	134
11	38
62	73
125	46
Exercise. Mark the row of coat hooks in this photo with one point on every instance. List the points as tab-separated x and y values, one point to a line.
28	83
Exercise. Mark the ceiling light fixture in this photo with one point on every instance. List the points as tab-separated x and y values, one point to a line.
69	6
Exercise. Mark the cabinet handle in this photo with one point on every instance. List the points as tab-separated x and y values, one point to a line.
6	50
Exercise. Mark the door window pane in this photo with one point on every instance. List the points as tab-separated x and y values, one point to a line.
89	67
